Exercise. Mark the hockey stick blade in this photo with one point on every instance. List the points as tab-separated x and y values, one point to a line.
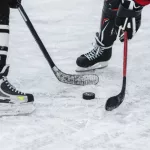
85	79
115	101
61	76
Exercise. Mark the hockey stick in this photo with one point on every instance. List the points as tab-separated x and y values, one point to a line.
115	101
74	79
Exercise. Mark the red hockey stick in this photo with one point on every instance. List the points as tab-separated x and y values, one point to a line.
115	101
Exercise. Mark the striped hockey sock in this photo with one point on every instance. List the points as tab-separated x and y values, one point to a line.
4	39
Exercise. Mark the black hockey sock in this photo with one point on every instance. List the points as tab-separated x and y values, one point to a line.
4	7
108	31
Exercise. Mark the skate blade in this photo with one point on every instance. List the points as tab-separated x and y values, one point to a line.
99	65
16	109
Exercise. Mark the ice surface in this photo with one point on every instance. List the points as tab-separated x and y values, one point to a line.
63	120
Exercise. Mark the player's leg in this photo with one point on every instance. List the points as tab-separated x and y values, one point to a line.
4	32
12	101
98	57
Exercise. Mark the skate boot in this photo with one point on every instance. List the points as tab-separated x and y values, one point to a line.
12	101
97	58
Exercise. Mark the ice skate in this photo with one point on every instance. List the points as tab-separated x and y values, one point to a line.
12	101
97	58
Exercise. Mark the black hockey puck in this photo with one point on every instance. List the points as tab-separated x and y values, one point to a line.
88	95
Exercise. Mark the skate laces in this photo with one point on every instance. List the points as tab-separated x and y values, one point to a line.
11	87
97	50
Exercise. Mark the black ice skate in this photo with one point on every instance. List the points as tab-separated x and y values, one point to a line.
97	58
12	101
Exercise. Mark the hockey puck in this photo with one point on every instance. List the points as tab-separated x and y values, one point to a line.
88	95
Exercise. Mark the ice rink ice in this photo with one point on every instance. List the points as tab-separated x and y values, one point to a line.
63	120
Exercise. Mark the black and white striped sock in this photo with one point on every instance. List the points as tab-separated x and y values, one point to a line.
4	40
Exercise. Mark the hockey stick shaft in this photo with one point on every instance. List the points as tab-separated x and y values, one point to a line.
73	79
35	35
125	54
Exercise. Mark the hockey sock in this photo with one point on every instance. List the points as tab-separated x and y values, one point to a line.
4	39
4	31
108	33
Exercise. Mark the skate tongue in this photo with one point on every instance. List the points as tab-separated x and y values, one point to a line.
4	71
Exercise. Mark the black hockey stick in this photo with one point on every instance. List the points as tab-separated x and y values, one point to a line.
115	101
74	79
